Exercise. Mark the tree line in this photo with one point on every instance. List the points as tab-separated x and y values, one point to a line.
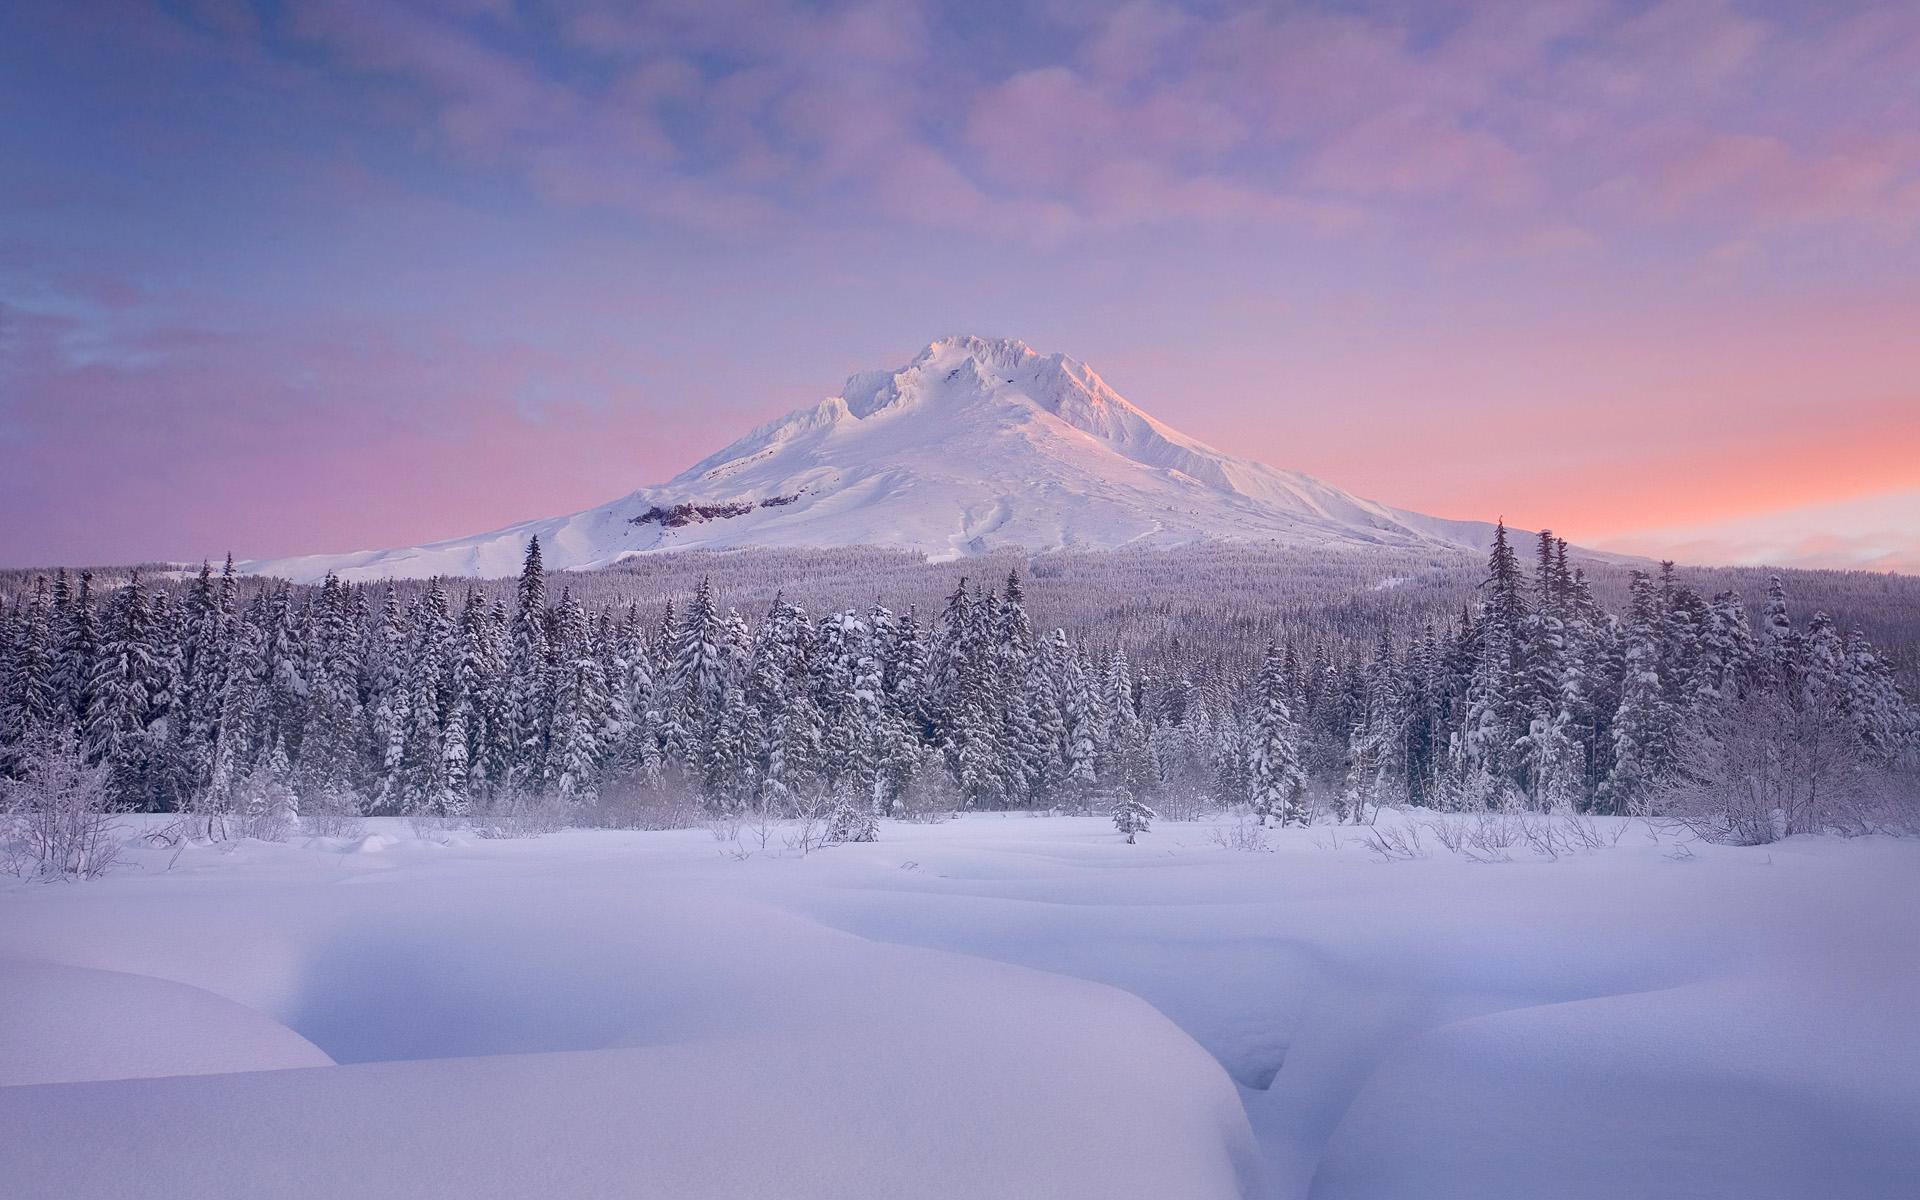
344	698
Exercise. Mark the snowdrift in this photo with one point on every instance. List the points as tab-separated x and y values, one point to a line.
984	1008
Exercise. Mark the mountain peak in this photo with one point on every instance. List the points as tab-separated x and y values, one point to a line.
956	369
988	351
976	443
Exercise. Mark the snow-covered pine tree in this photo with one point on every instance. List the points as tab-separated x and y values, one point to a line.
495	754
1878	713
1642	728
529	698
169	766
784	730
949	665
78	643
1128	764
1687	666
124	678
209	618
1025	767
855	729
1131	816
1497	695
896	737
958	714
28	700
479	702
386	704
726	775
580	703
1277	787
1376	772
1428	725
423	757
283	679
1728	651
329	742
235	750
456	770
1778	643
698	681
1079	717
637	746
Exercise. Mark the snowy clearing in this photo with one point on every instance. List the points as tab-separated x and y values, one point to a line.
995	1006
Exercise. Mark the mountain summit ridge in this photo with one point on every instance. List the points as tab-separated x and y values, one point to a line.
977	443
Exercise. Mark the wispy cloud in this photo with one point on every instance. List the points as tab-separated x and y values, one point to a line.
1615	114
314	236
1871	533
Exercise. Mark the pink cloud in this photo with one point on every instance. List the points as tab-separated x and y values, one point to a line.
1407	153
1150	112
1433	219
1134	39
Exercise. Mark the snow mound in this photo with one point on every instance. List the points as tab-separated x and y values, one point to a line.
66	1024
1559	1091
549	1019
879	1113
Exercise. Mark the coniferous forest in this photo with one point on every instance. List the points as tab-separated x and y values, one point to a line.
223	695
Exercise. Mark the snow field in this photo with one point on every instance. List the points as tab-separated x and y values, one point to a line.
993	1006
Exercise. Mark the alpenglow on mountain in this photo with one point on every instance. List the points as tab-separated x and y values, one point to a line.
977	444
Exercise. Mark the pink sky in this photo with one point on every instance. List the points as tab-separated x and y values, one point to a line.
316	276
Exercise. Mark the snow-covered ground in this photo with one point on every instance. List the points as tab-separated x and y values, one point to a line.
996	1006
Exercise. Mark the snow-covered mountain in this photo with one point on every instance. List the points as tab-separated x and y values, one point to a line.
977	443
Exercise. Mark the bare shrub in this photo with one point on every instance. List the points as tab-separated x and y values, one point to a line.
759	823
634	800
1244	834
1450	830
57	823
331	813
1771	766
929	797
1181	803
850	817
264	807
516	813
812	820
1544	835
208	813
1580	830
1396	842
1491	836
1886	801
437	830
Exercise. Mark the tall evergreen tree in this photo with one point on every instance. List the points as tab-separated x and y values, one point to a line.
125	677
1642	729
30	700
1278	787
529	703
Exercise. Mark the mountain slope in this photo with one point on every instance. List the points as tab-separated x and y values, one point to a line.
976	444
